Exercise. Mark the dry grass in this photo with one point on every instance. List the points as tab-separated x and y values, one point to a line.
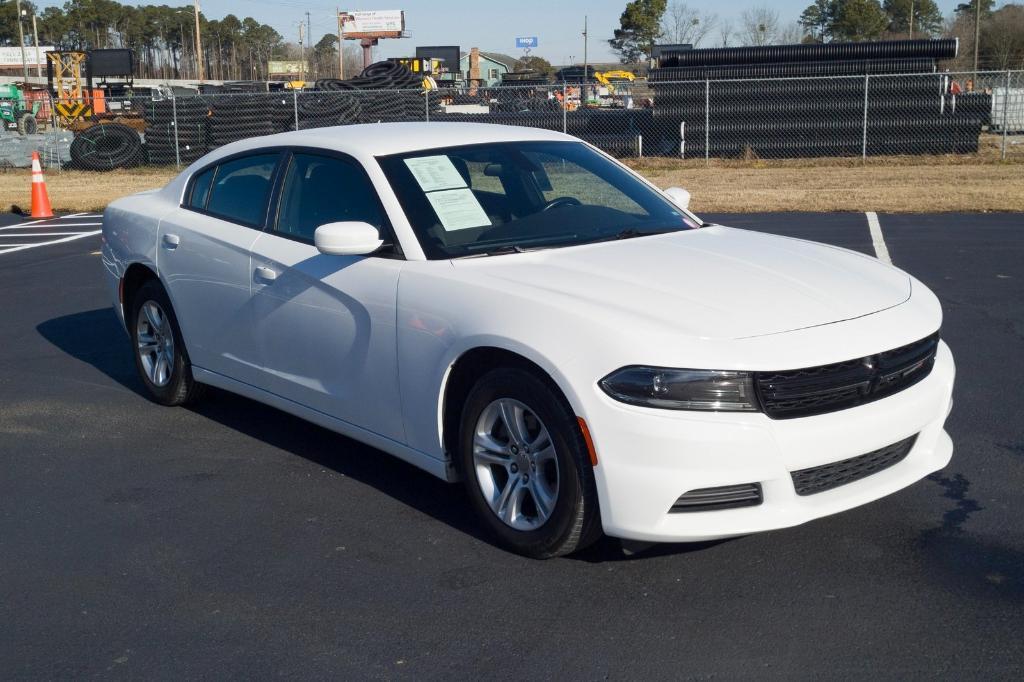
77	191
910	184
888	188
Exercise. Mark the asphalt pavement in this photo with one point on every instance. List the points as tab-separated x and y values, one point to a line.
232	540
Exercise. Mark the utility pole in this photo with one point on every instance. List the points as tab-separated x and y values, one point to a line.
302	53
341	46
911	19
977	34
309	35
35	40
199	48
586	75
21	41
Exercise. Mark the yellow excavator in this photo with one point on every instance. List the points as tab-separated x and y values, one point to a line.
610	78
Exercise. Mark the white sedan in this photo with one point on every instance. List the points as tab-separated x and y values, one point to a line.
514	309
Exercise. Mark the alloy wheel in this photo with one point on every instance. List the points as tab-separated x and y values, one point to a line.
155	341
515	464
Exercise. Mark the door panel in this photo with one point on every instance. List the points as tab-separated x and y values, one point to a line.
326	325
206	265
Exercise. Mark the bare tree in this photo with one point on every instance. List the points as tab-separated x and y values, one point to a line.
685	24
725	32
759	26
791	33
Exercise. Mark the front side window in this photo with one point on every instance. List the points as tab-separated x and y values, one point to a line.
479	199
241	187
321	189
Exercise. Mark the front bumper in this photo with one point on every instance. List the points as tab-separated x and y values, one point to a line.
648	458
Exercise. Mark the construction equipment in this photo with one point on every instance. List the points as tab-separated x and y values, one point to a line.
64	76
15	113
616	76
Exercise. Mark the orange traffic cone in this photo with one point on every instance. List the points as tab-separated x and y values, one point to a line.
40	199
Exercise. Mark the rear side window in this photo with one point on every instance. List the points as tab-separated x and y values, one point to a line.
201	189
323	189
241	187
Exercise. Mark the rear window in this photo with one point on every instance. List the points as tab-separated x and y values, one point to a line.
241	188
201	189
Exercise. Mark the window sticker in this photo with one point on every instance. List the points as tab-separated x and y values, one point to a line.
458	209
435	173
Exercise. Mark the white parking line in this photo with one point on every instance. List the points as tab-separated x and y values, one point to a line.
45	227
877	240
40	234
73	237
50	220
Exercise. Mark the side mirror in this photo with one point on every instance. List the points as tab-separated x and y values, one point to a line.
678	196
347	239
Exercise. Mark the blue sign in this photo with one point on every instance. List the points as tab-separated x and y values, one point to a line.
526	42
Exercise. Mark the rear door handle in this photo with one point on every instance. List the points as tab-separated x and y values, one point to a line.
171	241
265	274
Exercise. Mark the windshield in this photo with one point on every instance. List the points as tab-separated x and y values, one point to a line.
515	196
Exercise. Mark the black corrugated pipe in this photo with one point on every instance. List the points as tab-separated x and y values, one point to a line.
945	48
793	69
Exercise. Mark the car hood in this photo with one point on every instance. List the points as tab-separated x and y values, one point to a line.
714	282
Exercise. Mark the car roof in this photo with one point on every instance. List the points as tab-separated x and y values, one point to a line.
381	139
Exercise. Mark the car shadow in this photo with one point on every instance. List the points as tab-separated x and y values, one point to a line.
96	338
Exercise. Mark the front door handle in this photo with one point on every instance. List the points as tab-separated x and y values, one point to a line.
265	274
171	241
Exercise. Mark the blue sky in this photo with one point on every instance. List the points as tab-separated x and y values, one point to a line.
557	23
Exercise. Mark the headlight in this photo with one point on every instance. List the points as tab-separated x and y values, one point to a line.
682	389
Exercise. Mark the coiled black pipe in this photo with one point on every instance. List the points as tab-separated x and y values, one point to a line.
945	48
337	107
793	70
105	147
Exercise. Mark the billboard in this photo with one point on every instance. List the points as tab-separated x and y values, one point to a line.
11	56
526	42
285	67
389	23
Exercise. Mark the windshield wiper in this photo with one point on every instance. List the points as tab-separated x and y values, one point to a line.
500	251
628	233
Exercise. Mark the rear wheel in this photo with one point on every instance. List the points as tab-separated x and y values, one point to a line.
160	356
526	466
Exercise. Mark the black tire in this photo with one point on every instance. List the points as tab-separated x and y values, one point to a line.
27	124
181	388
575	520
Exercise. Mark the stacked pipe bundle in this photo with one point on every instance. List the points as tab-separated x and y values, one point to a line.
384	91
814	104
236	117
616	131
180	123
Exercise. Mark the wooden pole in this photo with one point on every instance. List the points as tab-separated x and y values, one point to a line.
200	67
341	46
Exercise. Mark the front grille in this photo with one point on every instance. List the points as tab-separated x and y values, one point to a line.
841	385
722	497
828	476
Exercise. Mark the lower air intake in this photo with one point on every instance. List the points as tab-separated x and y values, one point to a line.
828	476
723	497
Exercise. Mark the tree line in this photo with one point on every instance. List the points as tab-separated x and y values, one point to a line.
163	38
645	23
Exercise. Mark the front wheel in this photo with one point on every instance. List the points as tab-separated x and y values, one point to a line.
27	124
160	356
526	466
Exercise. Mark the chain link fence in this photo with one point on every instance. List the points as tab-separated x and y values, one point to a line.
962	114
